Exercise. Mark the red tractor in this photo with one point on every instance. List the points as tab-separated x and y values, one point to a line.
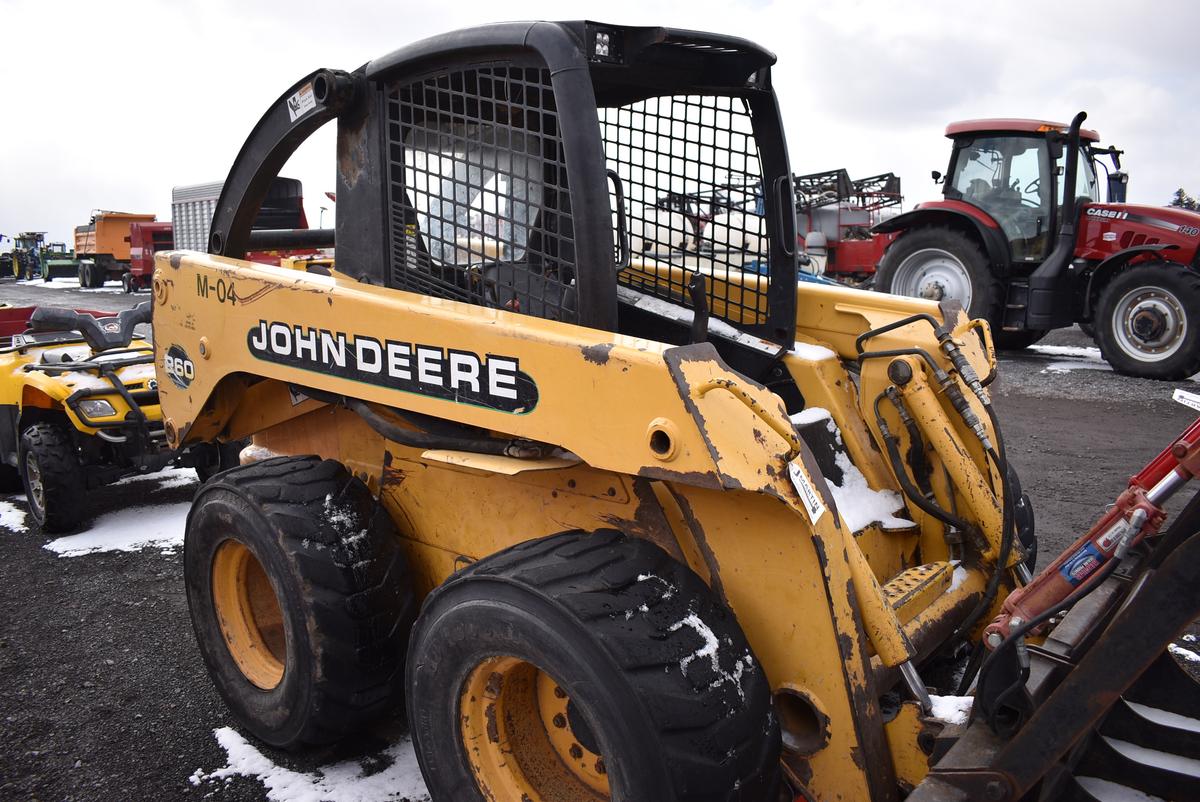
1015	249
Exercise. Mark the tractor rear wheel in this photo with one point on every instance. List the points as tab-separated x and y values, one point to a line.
53	476
1148	322
300	598
939	263
587	667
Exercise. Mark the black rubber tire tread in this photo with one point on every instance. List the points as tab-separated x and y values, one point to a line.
987	291
64	486
705	741
1181	281
1016	340
347	593
1025	521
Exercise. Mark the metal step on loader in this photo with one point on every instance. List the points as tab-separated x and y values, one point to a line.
617	527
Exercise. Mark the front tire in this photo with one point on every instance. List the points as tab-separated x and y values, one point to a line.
52	476
300	598
939	263
1148	322
587	667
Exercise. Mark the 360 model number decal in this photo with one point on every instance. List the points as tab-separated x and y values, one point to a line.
179	367
493	380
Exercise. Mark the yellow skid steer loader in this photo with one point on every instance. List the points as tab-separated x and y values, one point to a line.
652	528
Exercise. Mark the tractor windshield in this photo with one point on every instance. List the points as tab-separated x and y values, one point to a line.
1009	178
1087	185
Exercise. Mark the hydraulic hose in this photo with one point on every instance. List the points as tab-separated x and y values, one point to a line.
910	490
515	447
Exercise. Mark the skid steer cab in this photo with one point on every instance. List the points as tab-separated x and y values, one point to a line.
613	523
1024	240
79	408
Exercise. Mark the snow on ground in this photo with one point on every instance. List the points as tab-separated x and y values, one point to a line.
346	781
1076	358
952	709
72	283
12	517
166	478
130	529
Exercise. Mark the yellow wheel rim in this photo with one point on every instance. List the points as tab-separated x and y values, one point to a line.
249	614
524	739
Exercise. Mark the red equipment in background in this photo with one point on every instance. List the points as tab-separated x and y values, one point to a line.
145	240
834	217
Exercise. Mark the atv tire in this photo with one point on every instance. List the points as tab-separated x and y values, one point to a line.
575	667
52	476
940	263
1148	322
300	598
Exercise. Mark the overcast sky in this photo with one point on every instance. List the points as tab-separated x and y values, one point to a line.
109	104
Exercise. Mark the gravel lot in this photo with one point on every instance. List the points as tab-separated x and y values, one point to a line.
104	695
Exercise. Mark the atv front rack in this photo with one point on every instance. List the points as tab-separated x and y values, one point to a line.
135	423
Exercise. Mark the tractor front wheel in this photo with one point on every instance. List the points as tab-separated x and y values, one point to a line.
300	598
587	667
1148	322
938	263
53	476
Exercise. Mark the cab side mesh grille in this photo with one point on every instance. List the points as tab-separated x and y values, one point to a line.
693	183
478	199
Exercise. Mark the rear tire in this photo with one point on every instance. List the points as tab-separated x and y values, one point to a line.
938	263
85	274
574	667
1148	322
300	598
52	475
127	283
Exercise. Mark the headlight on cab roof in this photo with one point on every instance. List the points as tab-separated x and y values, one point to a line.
96	408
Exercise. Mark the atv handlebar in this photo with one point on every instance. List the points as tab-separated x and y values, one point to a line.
101	334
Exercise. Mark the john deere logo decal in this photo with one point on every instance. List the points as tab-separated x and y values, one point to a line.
493	380
177	365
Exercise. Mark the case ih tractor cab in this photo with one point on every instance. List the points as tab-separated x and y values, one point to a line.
1014	248
678	530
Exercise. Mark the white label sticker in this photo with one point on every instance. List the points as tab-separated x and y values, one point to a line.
301	103
813	504
1187	399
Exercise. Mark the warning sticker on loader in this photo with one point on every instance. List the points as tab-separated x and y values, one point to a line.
302	102
493	381
814	505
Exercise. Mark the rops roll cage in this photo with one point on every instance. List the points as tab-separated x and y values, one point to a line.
592	67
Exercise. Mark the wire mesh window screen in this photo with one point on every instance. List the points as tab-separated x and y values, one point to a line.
694	200
478	190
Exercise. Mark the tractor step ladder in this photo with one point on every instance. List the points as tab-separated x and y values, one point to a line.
1015	304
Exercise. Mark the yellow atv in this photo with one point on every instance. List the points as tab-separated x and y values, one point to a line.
679	529
79	408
